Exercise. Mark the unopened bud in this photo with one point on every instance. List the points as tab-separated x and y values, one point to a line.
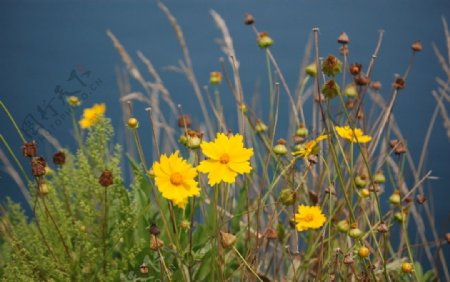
287	197
350	90
311	70
395	198
361	181
264	40
260	127
355	233
133	123
363	252
379	178
215	78
343	226
407	267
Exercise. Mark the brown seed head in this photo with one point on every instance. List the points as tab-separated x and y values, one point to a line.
398	147
271	233
313	197
343	38
249	19
331	66
355	68
59	158
29	149
281	141
399	83
362	80
375	85
155	243
154	230
227	239
348	259
38	165
382	228
420	199
106	178
416	46
184	121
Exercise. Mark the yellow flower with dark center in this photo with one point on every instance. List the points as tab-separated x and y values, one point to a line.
355	135
227	158
309	217
310	147
174	178
92	115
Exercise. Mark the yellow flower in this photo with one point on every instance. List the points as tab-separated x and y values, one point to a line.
309	217
215	77
227	158
92	115
353	135
310	146
174	178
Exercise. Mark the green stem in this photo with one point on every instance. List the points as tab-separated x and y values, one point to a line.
13	122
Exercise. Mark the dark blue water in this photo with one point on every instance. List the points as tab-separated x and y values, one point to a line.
41	43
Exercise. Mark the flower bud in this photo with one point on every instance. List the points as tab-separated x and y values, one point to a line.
73	101
343	38
407	267
331	89
355	68
311	70
185	224
363	252
227	239
361	181
287	197
350	90
29	149
243	108
59	158
416	46
249	19
302	131
379	178
331	66
43	188
106	178
399	216
183	139
355	233
343	226
264	40
364	193
395	198
184	121
260	127
280	148
133	123
215	78
193	142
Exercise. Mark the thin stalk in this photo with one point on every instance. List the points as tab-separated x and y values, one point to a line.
105	229
13	121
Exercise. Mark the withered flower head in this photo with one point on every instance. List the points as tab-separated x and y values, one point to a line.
227	239
348	259
420	199
382	228
59	158
375	85
343	38
399	83
184	121
331	66
143	268
154	230
398	147
29	149
106	178
271	233
355	68
249	19
416	46
38	165
331	89
155	243
362	80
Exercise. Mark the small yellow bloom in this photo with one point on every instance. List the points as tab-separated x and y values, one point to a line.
309	217
353	135
227	158
310	146
73	101
92	115
174	178
215	77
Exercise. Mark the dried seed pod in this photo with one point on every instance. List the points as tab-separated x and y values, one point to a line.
375	85
398	147
362	80
106	178
382	228
59	158
38	166
420	199
343	38
416	46
184	121
271	234
227	239
249	19
348	259
155	243
355	68
154	230
29	149
399	83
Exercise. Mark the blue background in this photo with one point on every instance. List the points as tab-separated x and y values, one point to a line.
41	42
